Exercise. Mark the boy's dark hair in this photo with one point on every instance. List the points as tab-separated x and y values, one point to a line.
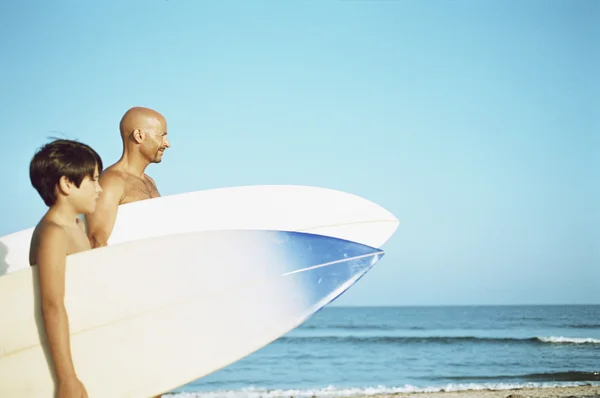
61	157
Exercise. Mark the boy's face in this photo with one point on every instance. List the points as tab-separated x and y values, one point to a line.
85	197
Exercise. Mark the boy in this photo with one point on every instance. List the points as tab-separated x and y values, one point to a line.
65	174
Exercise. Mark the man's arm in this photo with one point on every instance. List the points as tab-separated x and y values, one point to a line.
51	261
100	223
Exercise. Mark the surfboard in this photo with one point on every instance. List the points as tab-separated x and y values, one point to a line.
260	207
150	315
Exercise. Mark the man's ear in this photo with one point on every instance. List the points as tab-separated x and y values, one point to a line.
138	136
64	185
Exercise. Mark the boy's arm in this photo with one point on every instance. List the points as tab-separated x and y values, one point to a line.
100	223
52	254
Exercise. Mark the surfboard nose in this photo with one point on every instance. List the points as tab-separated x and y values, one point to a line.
325	267
313	247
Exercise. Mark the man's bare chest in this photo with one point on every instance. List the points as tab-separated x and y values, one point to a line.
137	189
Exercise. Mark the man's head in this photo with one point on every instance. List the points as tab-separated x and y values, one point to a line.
145	131
67	168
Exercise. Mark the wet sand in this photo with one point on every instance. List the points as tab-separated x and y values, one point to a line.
554	392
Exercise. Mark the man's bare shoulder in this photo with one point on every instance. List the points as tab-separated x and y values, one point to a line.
113	175
116	176
113	180
150	179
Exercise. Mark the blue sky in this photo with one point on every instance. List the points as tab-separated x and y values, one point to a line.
475	122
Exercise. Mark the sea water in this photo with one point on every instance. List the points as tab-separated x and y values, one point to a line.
369	350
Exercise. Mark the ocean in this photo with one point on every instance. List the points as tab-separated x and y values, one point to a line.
370	350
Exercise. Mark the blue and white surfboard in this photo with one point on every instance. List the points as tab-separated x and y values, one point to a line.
151	315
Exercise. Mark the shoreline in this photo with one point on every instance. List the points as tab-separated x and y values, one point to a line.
572	391
524	392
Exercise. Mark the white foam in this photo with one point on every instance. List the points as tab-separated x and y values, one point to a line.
331	391
569	340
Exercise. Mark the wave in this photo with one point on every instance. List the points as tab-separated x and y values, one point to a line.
440	340
552	376
256	392
584	326
512	325
360	327
569	340
507	324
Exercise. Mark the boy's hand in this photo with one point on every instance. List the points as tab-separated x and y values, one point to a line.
71	388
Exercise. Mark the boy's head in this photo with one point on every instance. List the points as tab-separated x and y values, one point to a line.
62	158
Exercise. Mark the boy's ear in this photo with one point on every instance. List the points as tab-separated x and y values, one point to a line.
138	136
64	185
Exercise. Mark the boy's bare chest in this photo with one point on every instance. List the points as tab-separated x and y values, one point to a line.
78	241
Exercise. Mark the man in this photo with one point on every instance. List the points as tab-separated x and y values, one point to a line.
144	135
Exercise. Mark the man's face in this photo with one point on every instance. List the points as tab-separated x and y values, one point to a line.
156	141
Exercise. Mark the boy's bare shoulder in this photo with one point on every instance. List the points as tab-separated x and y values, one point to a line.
51	230
47	235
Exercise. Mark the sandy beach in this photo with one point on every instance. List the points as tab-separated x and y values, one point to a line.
554	392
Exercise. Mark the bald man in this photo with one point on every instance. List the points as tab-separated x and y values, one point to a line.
144	136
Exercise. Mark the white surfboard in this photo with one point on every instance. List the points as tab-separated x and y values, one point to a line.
270	207
151	315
